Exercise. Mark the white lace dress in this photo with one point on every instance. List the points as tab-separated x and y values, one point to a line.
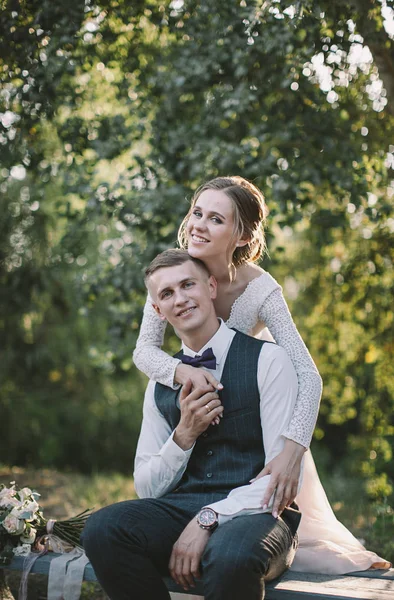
325	545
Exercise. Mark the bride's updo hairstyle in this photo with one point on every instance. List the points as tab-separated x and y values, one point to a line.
250	212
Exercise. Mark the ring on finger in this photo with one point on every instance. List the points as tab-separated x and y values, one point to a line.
207	407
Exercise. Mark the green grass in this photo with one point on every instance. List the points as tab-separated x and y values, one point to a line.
66	494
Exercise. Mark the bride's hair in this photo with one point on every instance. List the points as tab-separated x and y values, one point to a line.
250	212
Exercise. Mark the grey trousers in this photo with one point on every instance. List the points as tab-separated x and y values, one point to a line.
129	545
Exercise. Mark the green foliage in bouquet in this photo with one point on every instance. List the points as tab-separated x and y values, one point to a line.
22	523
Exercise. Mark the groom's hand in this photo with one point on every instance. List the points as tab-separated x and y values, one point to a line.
199	407
184	565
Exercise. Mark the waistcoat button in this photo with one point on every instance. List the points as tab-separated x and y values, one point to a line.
209	453
209	474
204	434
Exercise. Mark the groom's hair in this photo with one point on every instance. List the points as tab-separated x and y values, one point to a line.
172	258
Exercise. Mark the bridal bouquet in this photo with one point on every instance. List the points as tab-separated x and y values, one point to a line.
22	524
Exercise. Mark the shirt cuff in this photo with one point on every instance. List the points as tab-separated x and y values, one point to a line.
244	500
173	454
230	510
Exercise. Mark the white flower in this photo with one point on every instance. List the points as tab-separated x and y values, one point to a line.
8	497
26	511
8	500
22	550
31	506
13	525
18	512
29	536
4	491
24	493
30	509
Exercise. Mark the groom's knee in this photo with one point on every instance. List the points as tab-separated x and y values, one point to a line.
233	563
97	531
108	529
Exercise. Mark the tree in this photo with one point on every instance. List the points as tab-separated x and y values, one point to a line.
368	18
113	115
56	357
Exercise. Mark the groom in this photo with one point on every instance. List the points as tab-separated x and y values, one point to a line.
199	512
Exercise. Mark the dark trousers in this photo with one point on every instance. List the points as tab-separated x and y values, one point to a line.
129	545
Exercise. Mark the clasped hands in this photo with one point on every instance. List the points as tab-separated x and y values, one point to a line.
200	407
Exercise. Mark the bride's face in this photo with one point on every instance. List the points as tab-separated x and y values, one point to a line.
210	228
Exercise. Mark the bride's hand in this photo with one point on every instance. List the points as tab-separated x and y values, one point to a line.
199	378
285	474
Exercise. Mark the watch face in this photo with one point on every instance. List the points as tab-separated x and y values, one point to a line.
207	517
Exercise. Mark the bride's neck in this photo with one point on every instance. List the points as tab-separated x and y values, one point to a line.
221	272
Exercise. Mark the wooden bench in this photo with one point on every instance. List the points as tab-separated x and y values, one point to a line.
362	585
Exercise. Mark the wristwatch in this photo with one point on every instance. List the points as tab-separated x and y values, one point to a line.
208	519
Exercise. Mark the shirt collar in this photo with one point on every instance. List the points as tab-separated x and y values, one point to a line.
219	343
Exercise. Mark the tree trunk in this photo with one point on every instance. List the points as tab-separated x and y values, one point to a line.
5	592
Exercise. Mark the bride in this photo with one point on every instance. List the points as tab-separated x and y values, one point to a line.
224	229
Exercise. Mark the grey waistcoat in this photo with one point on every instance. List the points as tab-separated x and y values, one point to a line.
227	455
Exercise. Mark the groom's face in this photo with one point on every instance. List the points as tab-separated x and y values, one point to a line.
183	296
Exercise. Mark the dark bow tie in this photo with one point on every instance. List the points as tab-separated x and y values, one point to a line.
207	359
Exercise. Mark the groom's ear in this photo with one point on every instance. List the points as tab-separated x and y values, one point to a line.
213	287
157	309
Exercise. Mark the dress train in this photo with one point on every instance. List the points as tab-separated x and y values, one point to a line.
325	545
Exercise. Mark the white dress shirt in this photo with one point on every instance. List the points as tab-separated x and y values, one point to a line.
160	462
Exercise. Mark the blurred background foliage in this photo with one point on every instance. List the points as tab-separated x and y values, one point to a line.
111	114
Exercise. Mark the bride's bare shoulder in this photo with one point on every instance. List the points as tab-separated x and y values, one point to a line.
250	271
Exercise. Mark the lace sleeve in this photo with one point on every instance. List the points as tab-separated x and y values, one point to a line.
275	314
148	356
